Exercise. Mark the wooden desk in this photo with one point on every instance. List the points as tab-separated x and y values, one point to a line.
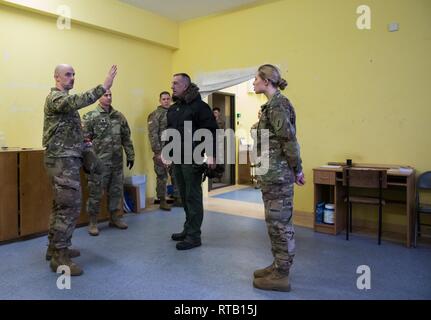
328	187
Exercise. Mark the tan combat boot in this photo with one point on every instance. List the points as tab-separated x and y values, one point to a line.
260	273
116	222
164	205
60	257
274	281
178	202
92	226
73	253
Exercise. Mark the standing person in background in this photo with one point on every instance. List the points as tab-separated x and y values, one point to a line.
157	123
219	119
109	132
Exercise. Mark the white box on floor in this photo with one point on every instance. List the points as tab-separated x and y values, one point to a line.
139	197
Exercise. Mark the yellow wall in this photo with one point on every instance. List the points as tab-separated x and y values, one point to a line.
247	104
31	46
359	94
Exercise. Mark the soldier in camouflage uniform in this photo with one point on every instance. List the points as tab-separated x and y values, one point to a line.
219	119
157	123
278	122
253	131
109	132
64	143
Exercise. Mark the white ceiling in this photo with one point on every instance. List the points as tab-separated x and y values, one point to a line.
181	10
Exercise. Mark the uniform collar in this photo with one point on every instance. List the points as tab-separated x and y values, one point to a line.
58	90
268	103
101	110
162	108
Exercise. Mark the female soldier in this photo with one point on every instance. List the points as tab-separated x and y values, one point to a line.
281	169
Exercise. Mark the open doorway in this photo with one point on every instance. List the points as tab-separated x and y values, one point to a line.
225	102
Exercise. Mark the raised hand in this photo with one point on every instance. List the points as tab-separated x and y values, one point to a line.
110	78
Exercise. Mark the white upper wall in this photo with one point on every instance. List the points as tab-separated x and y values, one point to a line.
182	10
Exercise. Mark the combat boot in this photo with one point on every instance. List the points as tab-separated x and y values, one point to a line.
61	257
164	205
178	202
275	281
179	236
189	243
92	226
116	222
264	272
73	253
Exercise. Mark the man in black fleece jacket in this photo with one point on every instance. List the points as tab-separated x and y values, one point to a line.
187	115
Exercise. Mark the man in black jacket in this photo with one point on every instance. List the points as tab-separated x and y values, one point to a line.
187	115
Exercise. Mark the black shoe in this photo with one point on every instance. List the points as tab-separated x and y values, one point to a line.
179	236
188	244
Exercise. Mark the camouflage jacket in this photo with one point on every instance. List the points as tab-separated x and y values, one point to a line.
279	118
254	127
221	123
157	123
62	132
110	133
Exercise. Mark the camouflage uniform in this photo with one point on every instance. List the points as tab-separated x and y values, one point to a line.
253	131
63	140
279	118
220	123
109	133
157	123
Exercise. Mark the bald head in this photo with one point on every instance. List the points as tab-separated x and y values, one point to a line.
64	76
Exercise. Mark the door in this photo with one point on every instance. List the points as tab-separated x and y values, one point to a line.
226	103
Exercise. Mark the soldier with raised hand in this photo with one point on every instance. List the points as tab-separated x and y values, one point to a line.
278	119
110	134
64	143
157	123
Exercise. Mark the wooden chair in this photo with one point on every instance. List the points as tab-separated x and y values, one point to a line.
364	178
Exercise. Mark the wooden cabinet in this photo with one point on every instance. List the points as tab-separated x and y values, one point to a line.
8	195
35	194
26	195
244	170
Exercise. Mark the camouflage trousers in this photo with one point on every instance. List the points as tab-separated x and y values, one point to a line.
64	174
162	178
278	201
110	180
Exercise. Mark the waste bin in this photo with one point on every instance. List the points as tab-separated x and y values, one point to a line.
135	187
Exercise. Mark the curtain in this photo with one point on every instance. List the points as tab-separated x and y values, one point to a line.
214	81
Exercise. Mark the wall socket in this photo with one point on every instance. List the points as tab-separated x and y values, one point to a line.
394	26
